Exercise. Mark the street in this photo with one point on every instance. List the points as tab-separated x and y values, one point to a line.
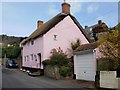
14	78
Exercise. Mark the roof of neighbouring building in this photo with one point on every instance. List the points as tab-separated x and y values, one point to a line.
51	23
88	46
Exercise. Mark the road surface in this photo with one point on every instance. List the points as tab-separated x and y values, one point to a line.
14	78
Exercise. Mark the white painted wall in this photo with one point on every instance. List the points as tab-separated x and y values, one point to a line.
108	79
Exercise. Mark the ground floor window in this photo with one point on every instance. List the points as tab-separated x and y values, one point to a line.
31	56
35	57
27	58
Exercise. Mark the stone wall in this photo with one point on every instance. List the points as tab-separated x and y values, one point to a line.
52	72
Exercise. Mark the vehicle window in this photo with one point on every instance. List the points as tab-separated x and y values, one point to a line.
11	61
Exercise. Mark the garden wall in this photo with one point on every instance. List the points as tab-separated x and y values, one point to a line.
52	71
108	79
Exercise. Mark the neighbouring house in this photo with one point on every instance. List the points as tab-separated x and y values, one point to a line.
86	56
59	31
85	62
94	30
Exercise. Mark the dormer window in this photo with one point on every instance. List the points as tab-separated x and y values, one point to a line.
28	43
32	42
55	37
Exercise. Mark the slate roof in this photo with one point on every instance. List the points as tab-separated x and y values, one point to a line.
51	23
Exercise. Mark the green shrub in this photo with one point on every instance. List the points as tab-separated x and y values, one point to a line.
75	45
65	71
2	52
106	64
13	52
46	62
118	71
59	59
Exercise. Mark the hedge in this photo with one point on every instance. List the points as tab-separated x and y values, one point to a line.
11	52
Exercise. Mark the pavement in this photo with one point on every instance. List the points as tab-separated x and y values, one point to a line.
14	78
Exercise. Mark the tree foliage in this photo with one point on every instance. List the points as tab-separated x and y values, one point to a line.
11	52
2	52
75	45
110	45
99	28
59	59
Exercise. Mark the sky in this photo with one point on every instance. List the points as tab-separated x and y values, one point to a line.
20	18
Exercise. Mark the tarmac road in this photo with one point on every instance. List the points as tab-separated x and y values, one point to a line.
14	78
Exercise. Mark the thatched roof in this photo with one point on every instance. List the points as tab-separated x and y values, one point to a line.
51	23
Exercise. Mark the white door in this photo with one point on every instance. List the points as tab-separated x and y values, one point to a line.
85	67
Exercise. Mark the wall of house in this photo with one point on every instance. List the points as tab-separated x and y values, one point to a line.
97	53
34	49
66	32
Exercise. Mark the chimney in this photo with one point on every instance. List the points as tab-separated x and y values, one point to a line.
100	22
66	8
86	27
39	23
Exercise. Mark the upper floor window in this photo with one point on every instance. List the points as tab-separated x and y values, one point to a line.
28	43
55	37
32	42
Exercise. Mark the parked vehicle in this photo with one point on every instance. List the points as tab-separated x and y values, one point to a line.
11	63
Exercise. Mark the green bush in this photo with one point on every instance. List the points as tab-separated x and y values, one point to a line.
59	59
118	71
75	45
47	62
65	71
13	52
2	52
106	64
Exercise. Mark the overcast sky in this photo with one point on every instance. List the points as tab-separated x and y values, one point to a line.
20	18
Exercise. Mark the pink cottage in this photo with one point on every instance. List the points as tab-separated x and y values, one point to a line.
59	31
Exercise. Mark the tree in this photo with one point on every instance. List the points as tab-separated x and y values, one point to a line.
101	27
110	46
75	45
2	52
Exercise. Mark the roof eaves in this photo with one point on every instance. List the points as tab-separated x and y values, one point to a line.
80	27
83	52
47	26
89	46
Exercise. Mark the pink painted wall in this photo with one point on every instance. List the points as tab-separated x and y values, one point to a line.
66	32
34	49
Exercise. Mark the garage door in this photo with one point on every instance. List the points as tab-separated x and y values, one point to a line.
85	67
